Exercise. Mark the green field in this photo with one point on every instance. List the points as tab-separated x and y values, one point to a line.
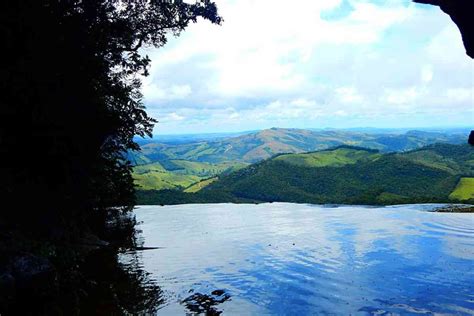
180	174
199	185
163	180
464	190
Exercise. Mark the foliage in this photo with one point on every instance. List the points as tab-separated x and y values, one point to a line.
169	197
73	67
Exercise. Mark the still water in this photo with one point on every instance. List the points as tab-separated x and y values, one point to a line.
297	259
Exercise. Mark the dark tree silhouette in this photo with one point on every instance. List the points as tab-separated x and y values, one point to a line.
72	67
70	106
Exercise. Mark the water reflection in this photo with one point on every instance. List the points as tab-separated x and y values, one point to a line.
301	259
118	287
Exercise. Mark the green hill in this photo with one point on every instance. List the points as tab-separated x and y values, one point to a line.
349	175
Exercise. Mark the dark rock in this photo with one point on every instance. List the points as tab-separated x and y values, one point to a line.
144	248
33	278
93	241
27	267
206	304
455	209
218	292
471	138
6	280
7	284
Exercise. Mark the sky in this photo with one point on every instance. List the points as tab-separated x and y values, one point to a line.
312	64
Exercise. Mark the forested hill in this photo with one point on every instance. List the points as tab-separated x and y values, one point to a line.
344	174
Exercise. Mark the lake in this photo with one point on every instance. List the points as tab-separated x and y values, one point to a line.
298	259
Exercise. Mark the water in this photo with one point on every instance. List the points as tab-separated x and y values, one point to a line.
295	259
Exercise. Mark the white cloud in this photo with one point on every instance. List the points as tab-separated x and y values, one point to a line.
261	45
401	96
341	113
461	95
285	63
349	95
426	73
154	92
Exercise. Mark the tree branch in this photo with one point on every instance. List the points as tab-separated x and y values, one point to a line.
167	27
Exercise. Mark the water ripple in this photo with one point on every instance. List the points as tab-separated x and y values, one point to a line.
296	259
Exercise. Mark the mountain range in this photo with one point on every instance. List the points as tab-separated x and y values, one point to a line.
255	146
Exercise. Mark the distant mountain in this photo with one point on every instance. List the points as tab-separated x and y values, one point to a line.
256	146
188	138
345	174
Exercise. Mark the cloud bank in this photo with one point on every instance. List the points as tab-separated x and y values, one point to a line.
312	64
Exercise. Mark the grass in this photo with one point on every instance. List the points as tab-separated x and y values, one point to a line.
464	190
164	180
155	176
152	167
199	185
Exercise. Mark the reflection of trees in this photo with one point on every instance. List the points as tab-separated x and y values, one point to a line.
202	303
85	279
117	283
119	287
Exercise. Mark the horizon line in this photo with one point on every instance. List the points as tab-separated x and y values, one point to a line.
414	128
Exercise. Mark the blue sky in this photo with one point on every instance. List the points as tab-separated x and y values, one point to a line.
312	64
